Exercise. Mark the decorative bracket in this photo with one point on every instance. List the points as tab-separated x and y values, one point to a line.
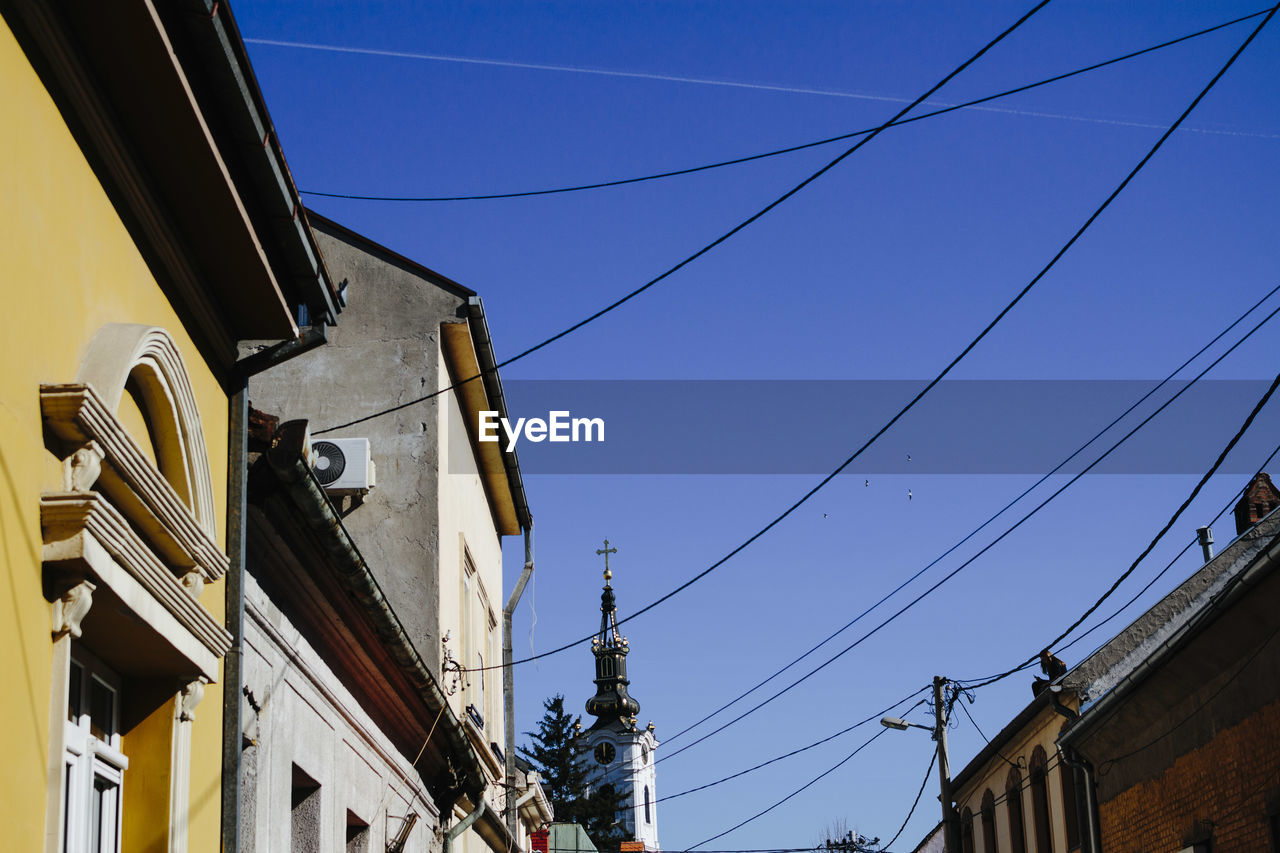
70	608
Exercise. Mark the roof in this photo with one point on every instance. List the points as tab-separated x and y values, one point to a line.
306	561
996	745
163	104
569	838
1103	670
391	256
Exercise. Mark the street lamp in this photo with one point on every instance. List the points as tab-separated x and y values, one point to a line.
901	725
939	732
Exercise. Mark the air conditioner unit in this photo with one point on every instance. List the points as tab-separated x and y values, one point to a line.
343	464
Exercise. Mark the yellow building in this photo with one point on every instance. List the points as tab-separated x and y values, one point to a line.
148	227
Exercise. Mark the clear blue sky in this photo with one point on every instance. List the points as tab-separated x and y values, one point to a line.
883	269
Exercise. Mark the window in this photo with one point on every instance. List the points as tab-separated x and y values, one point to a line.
478	631
988	822
93	765
1040	802
966	831
357	833
304	817
646	805
1017	826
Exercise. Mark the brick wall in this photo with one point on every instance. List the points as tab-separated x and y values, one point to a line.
1227	788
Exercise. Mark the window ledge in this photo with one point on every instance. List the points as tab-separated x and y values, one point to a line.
86	538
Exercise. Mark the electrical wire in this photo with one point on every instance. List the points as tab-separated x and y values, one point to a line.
716	242
1169	378
1105	767
927	773
968	348
936	585
981	552
816	743
1230	503
1248	421
790	149
796	792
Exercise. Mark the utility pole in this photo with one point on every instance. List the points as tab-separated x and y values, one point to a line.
949	834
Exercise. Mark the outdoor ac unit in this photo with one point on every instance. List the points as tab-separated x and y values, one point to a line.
343	464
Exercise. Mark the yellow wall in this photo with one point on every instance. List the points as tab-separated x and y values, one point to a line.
69	267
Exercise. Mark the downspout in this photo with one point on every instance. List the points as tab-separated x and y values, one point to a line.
1084	773
463	825
237	507
232	676
1084	779
509	683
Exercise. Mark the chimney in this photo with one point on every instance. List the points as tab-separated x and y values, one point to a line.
1259	498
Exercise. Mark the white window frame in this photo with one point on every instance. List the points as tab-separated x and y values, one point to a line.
92	765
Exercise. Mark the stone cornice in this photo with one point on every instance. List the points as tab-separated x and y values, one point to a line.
85	536
77	415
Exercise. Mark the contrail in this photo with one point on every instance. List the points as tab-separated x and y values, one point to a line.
732	84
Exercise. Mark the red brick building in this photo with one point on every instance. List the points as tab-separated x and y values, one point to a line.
1181	727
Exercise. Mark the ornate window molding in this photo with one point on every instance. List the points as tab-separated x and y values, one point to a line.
148	355
81	419
128	546
89	548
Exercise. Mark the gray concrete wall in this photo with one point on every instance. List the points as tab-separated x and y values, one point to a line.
384	351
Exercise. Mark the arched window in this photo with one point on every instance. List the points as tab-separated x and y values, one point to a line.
647	819
144	364
1013	798
1040	802
966	831
988	822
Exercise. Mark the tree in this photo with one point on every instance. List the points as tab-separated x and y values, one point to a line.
839	838
555	754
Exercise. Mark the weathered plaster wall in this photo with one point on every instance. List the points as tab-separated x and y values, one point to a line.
308	720
384	351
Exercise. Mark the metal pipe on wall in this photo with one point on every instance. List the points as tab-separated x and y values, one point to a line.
508	683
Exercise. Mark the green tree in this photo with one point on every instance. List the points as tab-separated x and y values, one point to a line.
556	755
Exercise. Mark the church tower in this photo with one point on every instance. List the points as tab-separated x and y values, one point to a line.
615	750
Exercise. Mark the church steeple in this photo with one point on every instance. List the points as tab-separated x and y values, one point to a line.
611	703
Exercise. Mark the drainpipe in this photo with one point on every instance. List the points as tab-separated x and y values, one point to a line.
1084	773
464	824
237	492
237	507
1081	768
509	682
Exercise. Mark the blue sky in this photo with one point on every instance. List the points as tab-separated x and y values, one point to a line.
883	269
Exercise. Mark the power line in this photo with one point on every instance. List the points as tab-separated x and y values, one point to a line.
721	239
968	348
790	149
984	524
796	792
816	743
984	550
1248	421
871	440
927	773
1167	566
1175	559
1105	767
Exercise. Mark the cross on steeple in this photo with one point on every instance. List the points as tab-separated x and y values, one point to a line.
606	550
